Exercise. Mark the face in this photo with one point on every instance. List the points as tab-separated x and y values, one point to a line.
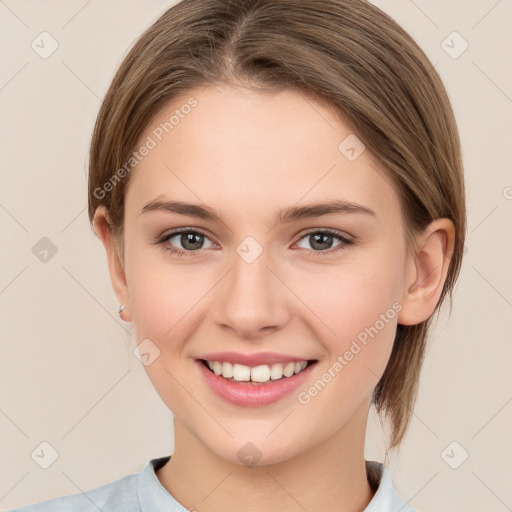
262	275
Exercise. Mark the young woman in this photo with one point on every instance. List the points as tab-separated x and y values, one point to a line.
279	189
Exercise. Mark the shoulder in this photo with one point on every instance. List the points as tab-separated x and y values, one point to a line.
386	498
118	495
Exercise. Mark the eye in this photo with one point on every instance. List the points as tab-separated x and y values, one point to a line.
187	241
322	241
190	241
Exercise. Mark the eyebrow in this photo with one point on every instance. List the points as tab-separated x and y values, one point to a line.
287	215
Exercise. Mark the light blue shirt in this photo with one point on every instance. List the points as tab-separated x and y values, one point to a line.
143	492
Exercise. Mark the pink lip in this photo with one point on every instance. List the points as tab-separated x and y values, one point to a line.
252	359
252	394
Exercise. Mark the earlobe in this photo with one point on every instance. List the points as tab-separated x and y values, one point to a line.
426	271
101	223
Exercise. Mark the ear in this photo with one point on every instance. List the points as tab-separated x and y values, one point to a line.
101	223
426	271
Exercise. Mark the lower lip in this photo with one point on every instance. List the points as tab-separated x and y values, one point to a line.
253	395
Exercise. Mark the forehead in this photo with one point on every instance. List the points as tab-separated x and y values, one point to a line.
245	150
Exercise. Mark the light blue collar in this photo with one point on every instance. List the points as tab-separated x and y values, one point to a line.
153	497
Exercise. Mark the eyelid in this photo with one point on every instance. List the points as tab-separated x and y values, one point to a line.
301	234
328	231
345	239
176	231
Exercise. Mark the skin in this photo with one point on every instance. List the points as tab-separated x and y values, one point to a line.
247	155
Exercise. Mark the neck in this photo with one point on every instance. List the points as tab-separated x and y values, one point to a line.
328	476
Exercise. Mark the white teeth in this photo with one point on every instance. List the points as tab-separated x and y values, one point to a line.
217	367
289	370
227	370
241	372
276	371
261	373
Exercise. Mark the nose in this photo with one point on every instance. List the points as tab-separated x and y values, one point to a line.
251	299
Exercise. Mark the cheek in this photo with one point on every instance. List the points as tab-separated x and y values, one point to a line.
358	311
351	300
166	309
361	312
164	296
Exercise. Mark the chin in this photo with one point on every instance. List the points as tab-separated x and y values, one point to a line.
256	453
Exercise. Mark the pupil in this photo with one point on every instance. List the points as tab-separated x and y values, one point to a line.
319	240
191	238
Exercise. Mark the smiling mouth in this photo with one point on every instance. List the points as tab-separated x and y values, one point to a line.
260	374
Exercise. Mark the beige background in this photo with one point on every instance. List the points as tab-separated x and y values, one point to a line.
68	376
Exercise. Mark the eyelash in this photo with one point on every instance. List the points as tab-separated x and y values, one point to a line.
178	252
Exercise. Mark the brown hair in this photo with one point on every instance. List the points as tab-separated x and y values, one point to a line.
347	54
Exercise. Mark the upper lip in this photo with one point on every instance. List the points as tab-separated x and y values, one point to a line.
252	359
